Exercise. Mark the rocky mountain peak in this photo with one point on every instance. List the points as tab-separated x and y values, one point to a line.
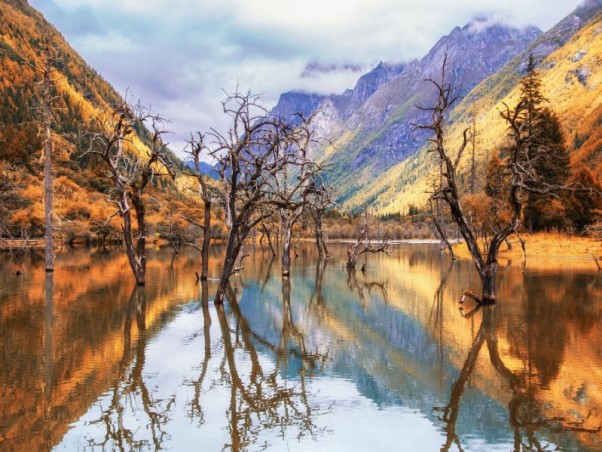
484	45
588	8
293	102
587	4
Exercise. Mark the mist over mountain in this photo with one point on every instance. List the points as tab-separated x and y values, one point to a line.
370	125
568	55
368	130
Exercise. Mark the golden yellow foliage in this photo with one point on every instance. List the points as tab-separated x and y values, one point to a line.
578	105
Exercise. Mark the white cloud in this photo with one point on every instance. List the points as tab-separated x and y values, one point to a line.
113	43
180	54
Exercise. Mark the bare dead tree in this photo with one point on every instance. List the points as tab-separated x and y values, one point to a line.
436	218
129	173
319	202
197	148
45	70
249	158
362	246
523	178
298	179
437	211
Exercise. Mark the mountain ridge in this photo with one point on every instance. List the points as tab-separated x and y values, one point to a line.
572	50
376	139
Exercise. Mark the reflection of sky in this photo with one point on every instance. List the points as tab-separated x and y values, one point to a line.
174	356
383	376
357	410
391	360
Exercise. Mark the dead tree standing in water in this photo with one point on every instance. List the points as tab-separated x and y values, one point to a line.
294	185
249	157
197	147
45	70
522	178
362	245
129	173
320	200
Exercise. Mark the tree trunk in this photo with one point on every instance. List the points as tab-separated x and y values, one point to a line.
488	279
287	229
232	251
140	251
48	245
320	242
136	260
443	238
529	214
351	258
206	242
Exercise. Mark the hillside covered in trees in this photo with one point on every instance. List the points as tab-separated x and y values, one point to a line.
82	208
568	59
390	178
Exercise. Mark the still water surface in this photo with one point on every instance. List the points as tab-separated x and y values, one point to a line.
328	360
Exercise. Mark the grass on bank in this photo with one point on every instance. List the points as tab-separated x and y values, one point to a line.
548	250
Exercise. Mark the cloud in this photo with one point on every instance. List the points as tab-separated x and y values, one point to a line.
180	54
314	69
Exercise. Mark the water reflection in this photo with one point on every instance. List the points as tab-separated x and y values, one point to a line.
86	362
129	388
533	419
359	286
195	409
259	398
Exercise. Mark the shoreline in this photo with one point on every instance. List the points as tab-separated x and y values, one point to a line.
549	250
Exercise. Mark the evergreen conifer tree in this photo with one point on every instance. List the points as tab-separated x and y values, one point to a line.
546	150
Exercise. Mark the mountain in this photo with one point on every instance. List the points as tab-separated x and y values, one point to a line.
80	184
370	128
294	102
570	59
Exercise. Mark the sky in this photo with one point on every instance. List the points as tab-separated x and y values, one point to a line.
181	56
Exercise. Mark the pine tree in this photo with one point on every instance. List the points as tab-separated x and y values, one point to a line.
545	150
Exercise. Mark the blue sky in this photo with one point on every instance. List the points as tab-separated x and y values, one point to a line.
179	55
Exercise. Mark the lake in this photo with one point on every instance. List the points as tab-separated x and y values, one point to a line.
327	360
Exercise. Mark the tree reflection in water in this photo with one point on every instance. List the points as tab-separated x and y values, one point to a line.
260	399
356	286
316	301
526	414
196	409
262	396
130	391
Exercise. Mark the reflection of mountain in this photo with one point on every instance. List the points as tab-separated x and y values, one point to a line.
384	332
407	350
58	357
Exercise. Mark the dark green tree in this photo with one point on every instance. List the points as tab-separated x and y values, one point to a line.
547	153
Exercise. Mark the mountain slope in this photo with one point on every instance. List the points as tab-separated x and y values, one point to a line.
370	127
80	184
570	57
